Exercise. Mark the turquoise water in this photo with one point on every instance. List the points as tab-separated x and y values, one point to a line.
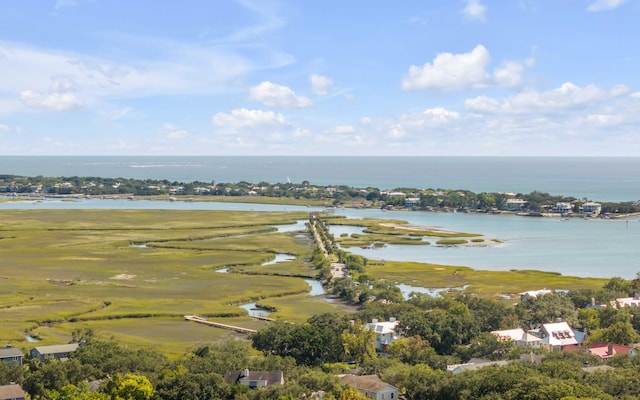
601	248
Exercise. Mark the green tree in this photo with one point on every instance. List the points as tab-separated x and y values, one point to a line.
130	387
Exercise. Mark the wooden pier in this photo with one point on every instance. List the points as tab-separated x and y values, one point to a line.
205	321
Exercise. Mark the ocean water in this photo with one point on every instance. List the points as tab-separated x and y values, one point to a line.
599	248
594	178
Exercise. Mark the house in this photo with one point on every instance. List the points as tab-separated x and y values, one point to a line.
608	350
516	204
59	351
533	294
412	201
591	208
521	337
559	334
562	208
10	354
254	379
371	386
385	332
628	301
12	392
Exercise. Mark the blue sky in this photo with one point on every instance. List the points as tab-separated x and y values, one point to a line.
302	77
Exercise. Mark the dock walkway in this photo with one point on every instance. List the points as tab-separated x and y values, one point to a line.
205	321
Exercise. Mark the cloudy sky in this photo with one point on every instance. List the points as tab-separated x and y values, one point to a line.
303	77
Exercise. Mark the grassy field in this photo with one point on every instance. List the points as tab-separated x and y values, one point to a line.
133	274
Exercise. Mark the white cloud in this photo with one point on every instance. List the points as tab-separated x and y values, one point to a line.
465	71
343	129
177	69
451	71
171	131
4	128
272	95
320	85
558	100
243	118
114	115
475	10
603	5
440	115
64	3
50	101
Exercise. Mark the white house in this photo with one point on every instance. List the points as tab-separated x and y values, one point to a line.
591	208
562	208
519	336
628	302
516	204
559	334
371	386
533	294
385	332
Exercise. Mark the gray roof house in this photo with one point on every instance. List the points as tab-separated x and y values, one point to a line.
254	379
59	351
10	354
12	392
372	386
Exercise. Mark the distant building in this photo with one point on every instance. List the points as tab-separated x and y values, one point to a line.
562	208
591	208
371	386
254	379
59	352
516	204
533	294
608	350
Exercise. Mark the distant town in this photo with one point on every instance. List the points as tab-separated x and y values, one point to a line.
451	200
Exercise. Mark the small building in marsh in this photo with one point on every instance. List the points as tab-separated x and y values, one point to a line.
371	386
12	392
58	351
254	379
11	354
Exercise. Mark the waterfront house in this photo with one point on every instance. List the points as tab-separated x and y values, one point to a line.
591	208
516	204
371	386
385	332
562	208
12	392
10	354
254	379
58	352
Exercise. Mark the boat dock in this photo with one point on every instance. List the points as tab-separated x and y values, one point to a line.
205	321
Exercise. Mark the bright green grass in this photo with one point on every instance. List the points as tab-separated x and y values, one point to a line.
485	283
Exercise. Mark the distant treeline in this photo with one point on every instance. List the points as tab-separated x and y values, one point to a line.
335	195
